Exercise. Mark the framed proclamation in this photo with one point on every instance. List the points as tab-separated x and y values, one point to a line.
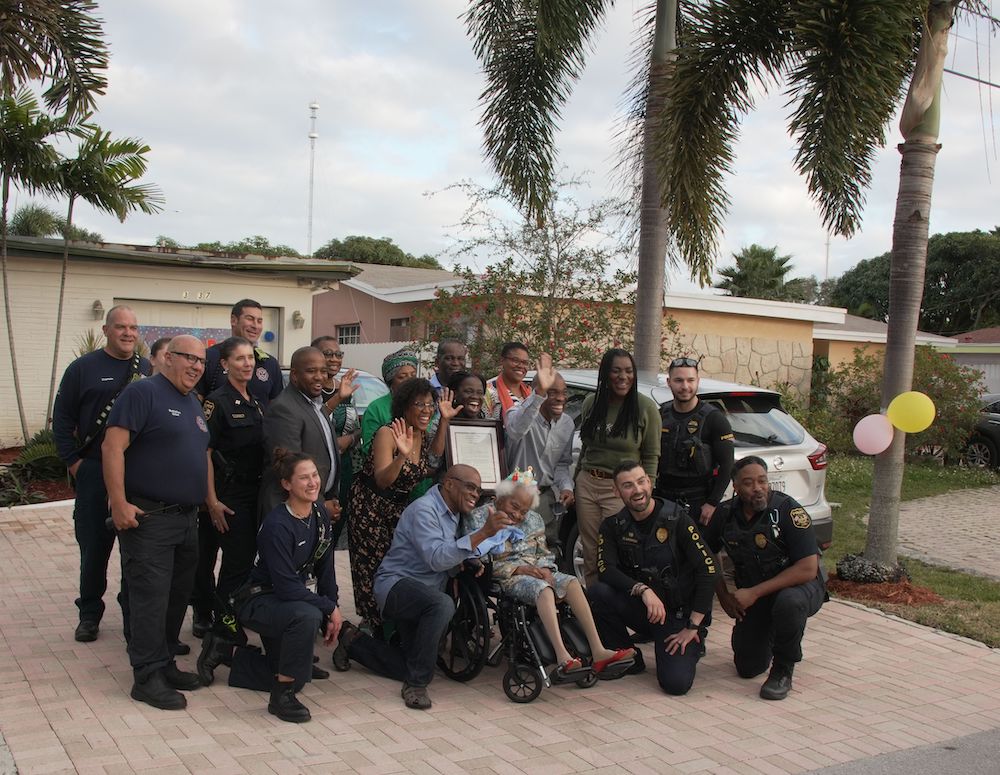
478	443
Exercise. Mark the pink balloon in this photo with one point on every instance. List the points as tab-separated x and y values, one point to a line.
873	434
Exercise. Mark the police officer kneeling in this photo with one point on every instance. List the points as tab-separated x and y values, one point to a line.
656	576
290	596
771	541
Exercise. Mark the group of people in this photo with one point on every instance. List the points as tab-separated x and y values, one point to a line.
200	450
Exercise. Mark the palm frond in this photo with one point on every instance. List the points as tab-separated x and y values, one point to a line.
727	48
58	41
851	66
25	153
531	53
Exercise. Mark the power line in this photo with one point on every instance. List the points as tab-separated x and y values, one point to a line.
972	78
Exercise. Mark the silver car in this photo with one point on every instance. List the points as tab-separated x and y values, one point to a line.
796	462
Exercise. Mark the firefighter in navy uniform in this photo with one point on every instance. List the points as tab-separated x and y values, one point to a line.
246	320
696	445
779	583
656	577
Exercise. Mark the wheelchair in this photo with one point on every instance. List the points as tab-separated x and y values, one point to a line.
481	609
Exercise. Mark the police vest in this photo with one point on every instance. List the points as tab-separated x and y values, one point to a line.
759	553
655	559
683	452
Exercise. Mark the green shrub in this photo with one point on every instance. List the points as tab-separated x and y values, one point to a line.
854	390
39	459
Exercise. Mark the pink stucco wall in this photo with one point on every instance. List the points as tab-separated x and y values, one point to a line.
346	306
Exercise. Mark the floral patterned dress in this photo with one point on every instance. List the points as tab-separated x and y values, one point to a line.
530	550
374	515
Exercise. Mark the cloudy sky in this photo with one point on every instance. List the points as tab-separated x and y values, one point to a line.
220	90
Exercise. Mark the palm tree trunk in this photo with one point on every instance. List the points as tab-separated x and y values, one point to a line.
652	217
6	303
906	285
919	125
59	313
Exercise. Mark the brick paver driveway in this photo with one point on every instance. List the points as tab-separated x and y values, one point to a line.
870	684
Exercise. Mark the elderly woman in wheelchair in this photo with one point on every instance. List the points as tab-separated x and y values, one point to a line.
527	572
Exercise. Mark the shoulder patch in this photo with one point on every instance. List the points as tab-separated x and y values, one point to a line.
208	407
800	518
260	355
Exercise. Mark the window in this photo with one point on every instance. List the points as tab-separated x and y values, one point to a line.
399	329
349	334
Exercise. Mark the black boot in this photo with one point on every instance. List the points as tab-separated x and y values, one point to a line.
285	705
215	651
181	679
154	690
778	683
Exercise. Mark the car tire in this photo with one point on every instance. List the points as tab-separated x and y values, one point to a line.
981	453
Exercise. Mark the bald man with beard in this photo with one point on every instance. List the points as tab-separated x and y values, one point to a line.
156	474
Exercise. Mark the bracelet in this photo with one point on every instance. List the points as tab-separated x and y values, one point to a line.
638	589
692	626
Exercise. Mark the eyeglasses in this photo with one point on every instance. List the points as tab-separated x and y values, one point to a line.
423	405
470	487
518	361
333	353
678	363
188	356
557	394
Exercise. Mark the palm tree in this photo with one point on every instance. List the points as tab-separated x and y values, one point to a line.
845	65
759	273
59	42
34	220
102	173
28	161
531	54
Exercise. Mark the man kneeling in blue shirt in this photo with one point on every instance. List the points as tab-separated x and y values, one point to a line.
410	582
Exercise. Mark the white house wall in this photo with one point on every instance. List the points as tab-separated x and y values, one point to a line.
34	291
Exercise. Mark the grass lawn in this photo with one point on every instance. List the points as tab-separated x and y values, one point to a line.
972	604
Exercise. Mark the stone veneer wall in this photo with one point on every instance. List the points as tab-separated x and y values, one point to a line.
754	360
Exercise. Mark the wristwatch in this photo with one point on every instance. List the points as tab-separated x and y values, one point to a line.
692	626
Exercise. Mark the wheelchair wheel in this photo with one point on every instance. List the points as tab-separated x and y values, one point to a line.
587	681
521	683
466	644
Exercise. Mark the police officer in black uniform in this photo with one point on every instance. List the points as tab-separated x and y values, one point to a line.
246	320
236	460
771	541
656	576
696	445
290	596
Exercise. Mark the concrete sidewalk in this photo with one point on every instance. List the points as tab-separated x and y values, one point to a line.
870	684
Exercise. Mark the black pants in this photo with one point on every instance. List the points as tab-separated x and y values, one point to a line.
421	615
158	562
774	626
615	611
90	512
694	499
287	629
238	545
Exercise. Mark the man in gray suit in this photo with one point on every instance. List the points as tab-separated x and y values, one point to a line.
295	421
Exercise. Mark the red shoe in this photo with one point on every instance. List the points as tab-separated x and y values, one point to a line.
622	657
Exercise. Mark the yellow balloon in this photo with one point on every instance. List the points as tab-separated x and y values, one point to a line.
911	412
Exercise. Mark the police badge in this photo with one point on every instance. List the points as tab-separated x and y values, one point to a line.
761	540
208	407
662	534
799	517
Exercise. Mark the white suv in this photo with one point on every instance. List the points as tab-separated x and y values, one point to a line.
796	462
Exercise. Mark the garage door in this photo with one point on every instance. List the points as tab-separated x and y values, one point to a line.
208	322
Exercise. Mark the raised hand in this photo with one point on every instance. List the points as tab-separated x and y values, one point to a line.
444	405
545	374
347	388
402	434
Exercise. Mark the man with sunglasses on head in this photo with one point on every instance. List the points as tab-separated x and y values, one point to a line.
410	582
696	445
246	319
156	473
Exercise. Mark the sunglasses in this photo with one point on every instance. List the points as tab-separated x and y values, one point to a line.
678	363
333	353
